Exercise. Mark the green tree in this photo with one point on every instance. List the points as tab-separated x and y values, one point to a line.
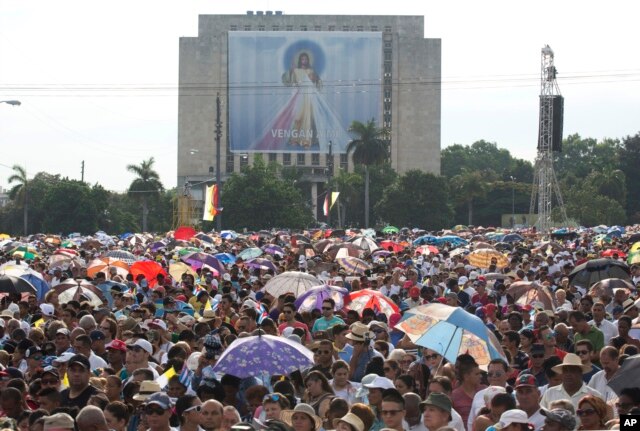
612	184
417	199
467	187
70	208
259	199
370	147
349	184
589	208
145	186
20	192
629	156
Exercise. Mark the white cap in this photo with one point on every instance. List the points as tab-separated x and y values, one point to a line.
159	323
462	280
473	275
143	344
380	383
47	309
14	308
64	358
514	416
287	331
226	276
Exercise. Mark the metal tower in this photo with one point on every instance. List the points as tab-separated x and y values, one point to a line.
545	183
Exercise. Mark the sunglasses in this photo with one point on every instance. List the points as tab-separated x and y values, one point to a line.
322	352
582	352
378	331
36	357
197	409
389	412
271	397
495	373
538	356
154	410
50	381
431	357
327	308
585	412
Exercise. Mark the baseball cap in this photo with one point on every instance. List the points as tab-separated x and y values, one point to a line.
63	358
561	416
97	335
31	351
143	344
117	345
462	280
51	370
514	416
380	383
161	399
81	360
63	331
159	323
414	292
47	309
525	380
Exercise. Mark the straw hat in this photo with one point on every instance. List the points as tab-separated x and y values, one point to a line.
207	316
571	360
359	332
353	420
147	388
287	415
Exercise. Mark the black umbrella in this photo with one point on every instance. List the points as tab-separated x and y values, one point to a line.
594	270
13	284
627	376
633	238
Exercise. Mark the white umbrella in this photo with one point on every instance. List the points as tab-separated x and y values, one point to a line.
294	282
364	243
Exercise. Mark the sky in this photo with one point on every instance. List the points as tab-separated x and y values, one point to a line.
98	80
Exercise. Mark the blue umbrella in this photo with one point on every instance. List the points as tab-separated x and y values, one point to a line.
450	331
424	239
512	237
262	355
225	258
250	253
105	288
228	234
41	286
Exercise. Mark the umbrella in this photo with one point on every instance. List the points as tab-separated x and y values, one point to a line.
635	247
481	244
530	292
228	234
425	239
390	229
122	255
634	238
79	290
312	299
634	257
610	252
33	277
204	238
395	247
459	227
25	252
381	253
353	265
13	284
451	331
263	355
177	269
323	245
200	259
627	376
250	253
344	250
106	288
364	243
184	233
104	263
482	258
427	249
273	249
149	269
337	233
512	237
367	298
64	261
294	282
158	245
607	286
594	270
259	263
53	240
225	258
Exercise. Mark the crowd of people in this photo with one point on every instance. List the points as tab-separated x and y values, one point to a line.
145	358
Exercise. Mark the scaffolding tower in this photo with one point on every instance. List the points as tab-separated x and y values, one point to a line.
545	182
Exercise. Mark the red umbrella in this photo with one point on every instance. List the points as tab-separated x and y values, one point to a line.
391	246
427	249
610	252
149	269
184	233
373	299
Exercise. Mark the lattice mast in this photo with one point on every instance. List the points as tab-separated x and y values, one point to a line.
545	183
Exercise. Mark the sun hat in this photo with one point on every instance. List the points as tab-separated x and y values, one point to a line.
207	316
571	360
147	388
359	332
439	400
362	391
353	420
58	421
287	415
380	383
514	416
561	416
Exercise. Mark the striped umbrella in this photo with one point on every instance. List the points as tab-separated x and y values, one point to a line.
122	255
353	265
451	331
313	298
482	258
367	298
294	282
104	263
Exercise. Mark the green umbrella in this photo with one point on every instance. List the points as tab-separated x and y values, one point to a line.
390	229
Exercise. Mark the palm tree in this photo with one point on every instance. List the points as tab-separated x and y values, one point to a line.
146	185
19	191
369	147
468	186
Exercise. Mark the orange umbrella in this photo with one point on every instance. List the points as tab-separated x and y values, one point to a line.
392	246
104	263
149	269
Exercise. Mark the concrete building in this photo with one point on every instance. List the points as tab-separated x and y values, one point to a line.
409	87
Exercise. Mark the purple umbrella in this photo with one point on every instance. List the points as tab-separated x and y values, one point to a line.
262	355
199	259
259	263
273	249
158	245
313	298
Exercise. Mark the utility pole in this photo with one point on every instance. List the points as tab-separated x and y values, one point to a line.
545	183
218	176
82	172
329	175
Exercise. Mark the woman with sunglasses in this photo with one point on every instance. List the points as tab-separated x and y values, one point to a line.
273	404
188	410
117	415
592	412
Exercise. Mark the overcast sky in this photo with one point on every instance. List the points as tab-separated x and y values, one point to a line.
98	80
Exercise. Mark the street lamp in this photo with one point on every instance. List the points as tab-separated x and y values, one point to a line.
11	102
513	201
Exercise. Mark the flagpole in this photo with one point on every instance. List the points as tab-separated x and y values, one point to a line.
218	174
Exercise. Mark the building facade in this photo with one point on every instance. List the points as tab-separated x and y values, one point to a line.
406	93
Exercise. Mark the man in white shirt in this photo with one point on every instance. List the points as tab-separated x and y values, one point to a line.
600	381
498	372
528	397
572	387
82	345
609	330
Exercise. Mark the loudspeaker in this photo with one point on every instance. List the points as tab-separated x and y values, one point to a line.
558	119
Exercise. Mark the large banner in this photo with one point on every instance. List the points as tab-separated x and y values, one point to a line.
300	91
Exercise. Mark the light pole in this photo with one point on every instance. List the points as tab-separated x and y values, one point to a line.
513	201
218	177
